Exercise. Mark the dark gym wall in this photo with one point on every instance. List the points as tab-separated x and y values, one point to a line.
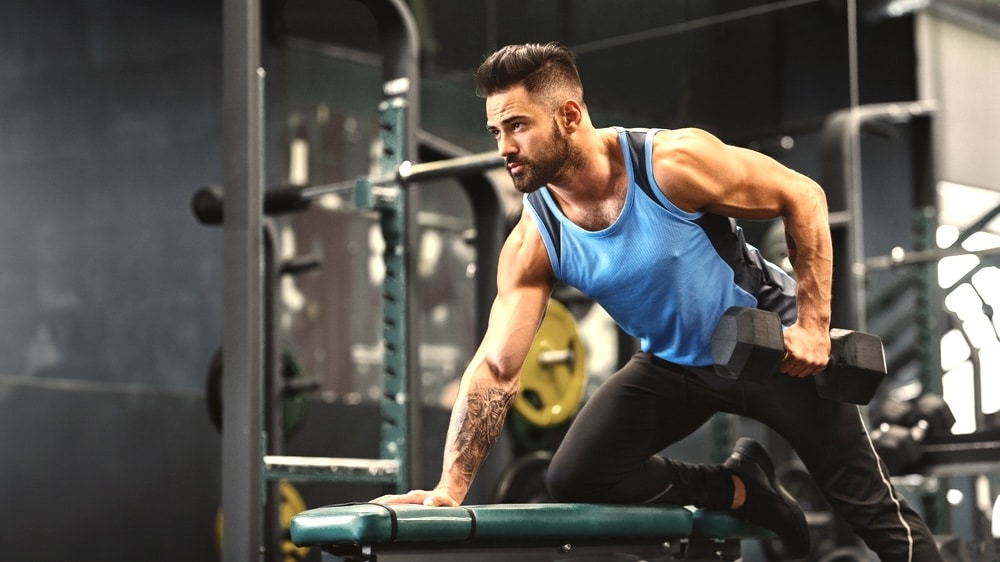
109	118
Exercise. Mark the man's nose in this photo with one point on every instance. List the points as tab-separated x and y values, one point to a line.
506	146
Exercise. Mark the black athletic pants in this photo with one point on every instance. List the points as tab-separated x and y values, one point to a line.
610	455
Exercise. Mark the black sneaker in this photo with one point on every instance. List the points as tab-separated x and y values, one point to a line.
767	502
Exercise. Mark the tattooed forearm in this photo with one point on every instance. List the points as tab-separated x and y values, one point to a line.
477	425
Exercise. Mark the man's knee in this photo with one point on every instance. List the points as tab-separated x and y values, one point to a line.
563	484
572	483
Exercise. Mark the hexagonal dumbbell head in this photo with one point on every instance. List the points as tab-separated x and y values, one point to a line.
748	344
856	368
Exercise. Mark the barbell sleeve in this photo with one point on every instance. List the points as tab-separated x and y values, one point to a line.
555	356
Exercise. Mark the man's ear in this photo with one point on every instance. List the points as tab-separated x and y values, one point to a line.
570	115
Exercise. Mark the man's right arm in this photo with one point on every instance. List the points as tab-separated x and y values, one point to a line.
490	382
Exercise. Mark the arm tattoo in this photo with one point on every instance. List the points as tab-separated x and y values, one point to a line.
478	426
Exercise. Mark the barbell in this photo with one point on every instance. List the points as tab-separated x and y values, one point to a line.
206	203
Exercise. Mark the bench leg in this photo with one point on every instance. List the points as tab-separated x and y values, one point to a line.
359	554
691	550
703	549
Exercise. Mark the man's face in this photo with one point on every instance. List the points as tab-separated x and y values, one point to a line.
528	138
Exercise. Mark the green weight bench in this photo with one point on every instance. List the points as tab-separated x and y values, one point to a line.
523	532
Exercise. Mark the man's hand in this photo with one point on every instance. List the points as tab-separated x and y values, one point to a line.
806	351
436	498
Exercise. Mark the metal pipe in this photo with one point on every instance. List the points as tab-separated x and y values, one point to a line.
207	201
842	180
452	167
401	79
242	173
489	218
901	257
979	225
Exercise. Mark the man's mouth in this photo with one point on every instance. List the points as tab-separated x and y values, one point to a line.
514	167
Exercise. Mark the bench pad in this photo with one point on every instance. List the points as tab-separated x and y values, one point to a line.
374	524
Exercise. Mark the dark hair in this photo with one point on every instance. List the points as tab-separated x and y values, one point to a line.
543	70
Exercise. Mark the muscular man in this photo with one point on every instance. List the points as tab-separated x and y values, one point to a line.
642	221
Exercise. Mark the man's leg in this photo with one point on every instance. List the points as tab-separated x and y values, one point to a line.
831	440
609	452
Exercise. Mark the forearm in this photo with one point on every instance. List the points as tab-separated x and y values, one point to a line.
476	421
810	251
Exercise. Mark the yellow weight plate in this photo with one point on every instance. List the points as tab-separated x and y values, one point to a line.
553	378
291	504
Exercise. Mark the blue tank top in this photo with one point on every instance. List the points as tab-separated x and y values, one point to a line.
665	275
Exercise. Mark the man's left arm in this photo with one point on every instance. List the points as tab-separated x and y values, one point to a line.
700	173
807	232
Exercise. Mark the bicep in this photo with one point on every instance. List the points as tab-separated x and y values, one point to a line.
524	282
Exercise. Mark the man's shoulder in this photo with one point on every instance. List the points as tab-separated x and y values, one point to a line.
678	139
524	255
608	133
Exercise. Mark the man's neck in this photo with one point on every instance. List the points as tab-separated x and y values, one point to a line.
594	195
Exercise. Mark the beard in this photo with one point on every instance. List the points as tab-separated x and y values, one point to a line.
557	159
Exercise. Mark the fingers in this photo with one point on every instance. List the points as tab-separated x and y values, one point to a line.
807	352
796	368
413	496
424	497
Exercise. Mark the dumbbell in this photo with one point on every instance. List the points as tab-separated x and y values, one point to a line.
929	408
899	446
900	429
748	345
